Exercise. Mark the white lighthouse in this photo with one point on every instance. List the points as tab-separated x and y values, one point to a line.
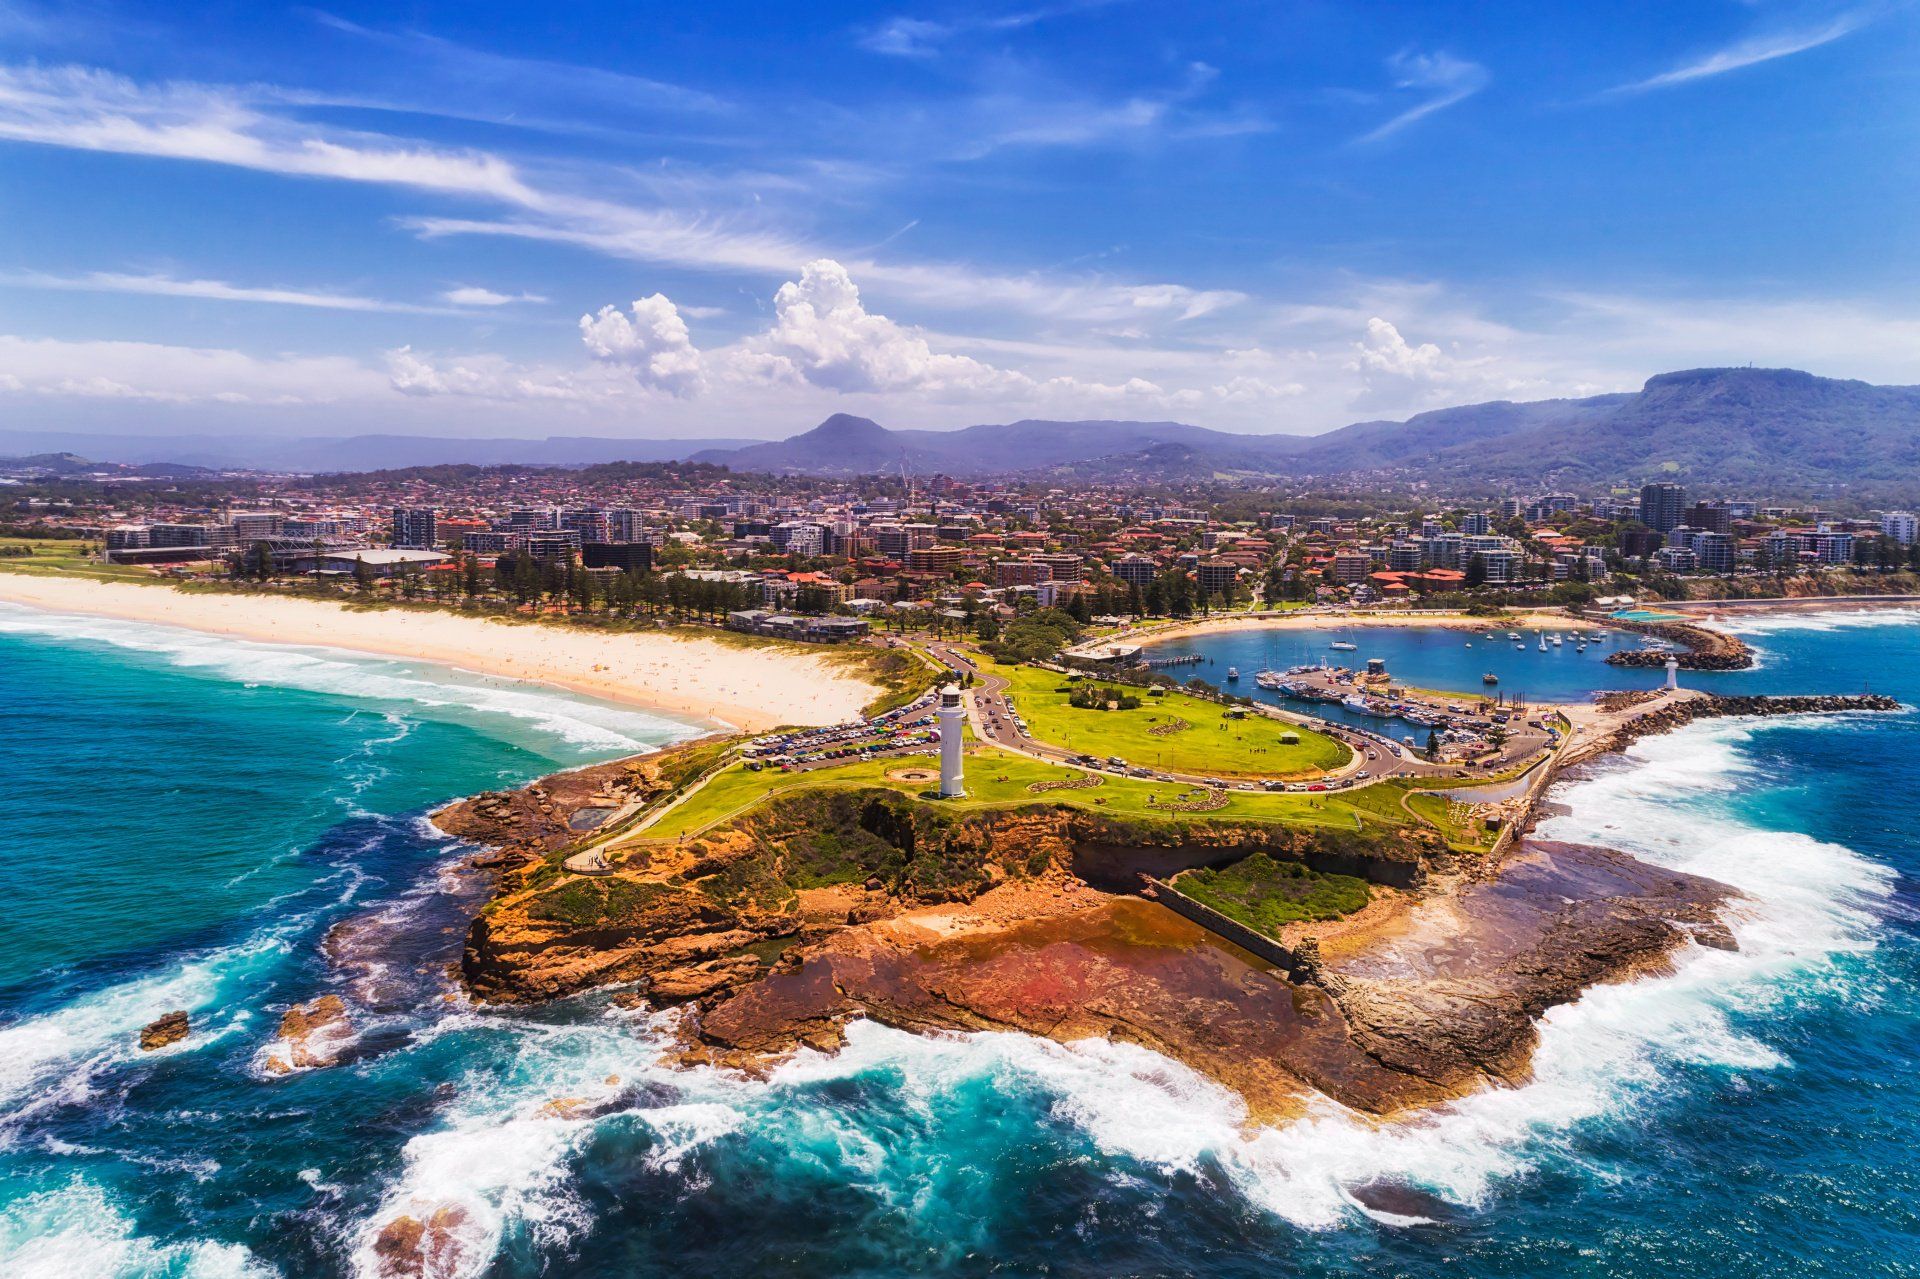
953	721
1673	673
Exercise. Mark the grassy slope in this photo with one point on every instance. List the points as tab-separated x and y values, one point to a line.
997	779
1211	746
63	559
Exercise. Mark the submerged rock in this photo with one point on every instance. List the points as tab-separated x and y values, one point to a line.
409	1248
170	1028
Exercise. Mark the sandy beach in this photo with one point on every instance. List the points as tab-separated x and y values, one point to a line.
1528	619
723	684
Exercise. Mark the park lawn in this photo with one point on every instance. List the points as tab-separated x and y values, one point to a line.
1212	745
1000	779
60	558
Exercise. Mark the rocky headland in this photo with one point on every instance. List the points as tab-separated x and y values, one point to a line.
775	929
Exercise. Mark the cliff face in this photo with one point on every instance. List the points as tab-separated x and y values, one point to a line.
702	919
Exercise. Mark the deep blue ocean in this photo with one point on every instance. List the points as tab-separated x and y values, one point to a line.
188	821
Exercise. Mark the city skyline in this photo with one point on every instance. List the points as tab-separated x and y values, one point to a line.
322	221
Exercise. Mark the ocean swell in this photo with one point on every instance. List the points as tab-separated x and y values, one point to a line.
421	689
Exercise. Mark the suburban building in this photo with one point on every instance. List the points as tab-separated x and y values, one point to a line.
415	528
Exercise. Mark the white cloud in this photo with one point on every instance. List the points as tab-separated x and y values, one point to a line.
211	290
490	377
652	342
473	295
178	374
903	37
84	109
906	37
1383	350
1751	52
829	339
90	110
1444	78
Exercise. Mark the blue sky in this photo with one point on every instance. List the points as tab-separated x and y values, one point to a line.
633	219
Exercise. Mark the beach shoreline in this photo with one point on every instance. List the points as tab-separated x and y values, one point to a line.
708	681
1305	621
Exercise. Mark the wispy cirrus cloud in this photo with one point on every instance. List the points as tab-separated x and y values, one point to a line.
1752	51
1444	80
215	291
527	80
903	36
89	110
474	295
84	109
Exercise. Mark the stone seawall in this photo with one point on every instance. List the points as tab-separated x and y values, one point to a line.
1697	647
1282	957
1679	714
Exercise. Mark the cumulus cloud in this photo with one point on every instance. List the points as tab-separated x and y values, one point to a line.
651	341
825	336
1383	350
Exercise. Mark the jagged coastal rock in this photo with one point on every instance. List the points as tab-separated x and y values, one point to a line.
170	1028
311	1036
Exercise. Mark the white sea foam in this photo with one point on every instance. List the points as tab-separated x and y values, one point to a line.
500	1160
1741	622
437	692
77	1232
54	1058
1616	1048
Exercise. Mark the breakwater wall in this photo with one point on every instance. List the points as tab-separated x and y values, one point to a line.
1698	648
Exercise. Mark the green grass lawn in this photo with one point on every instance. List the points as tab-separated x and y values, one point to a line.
1210	745
999	779
64	559
1267	895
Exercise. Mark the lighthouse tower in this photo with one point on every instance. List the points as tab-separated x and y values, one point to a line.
1673	673
953	720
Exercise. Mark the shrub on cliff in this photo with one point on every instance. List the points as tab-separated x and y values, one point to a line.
1266	895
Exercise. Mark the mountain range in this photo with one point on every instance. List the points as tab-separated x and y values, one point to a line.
1768	431
310	455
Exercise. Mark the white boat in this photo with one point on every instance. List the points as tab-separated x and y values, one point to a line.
1233	672
1554	639
1343	646
1543	643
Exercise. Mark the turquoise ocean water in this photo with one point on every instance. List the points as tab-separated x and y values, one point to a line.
227	828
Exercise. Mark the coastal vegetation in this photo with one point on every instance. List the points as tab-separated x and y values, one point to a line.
1266	895
63	557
